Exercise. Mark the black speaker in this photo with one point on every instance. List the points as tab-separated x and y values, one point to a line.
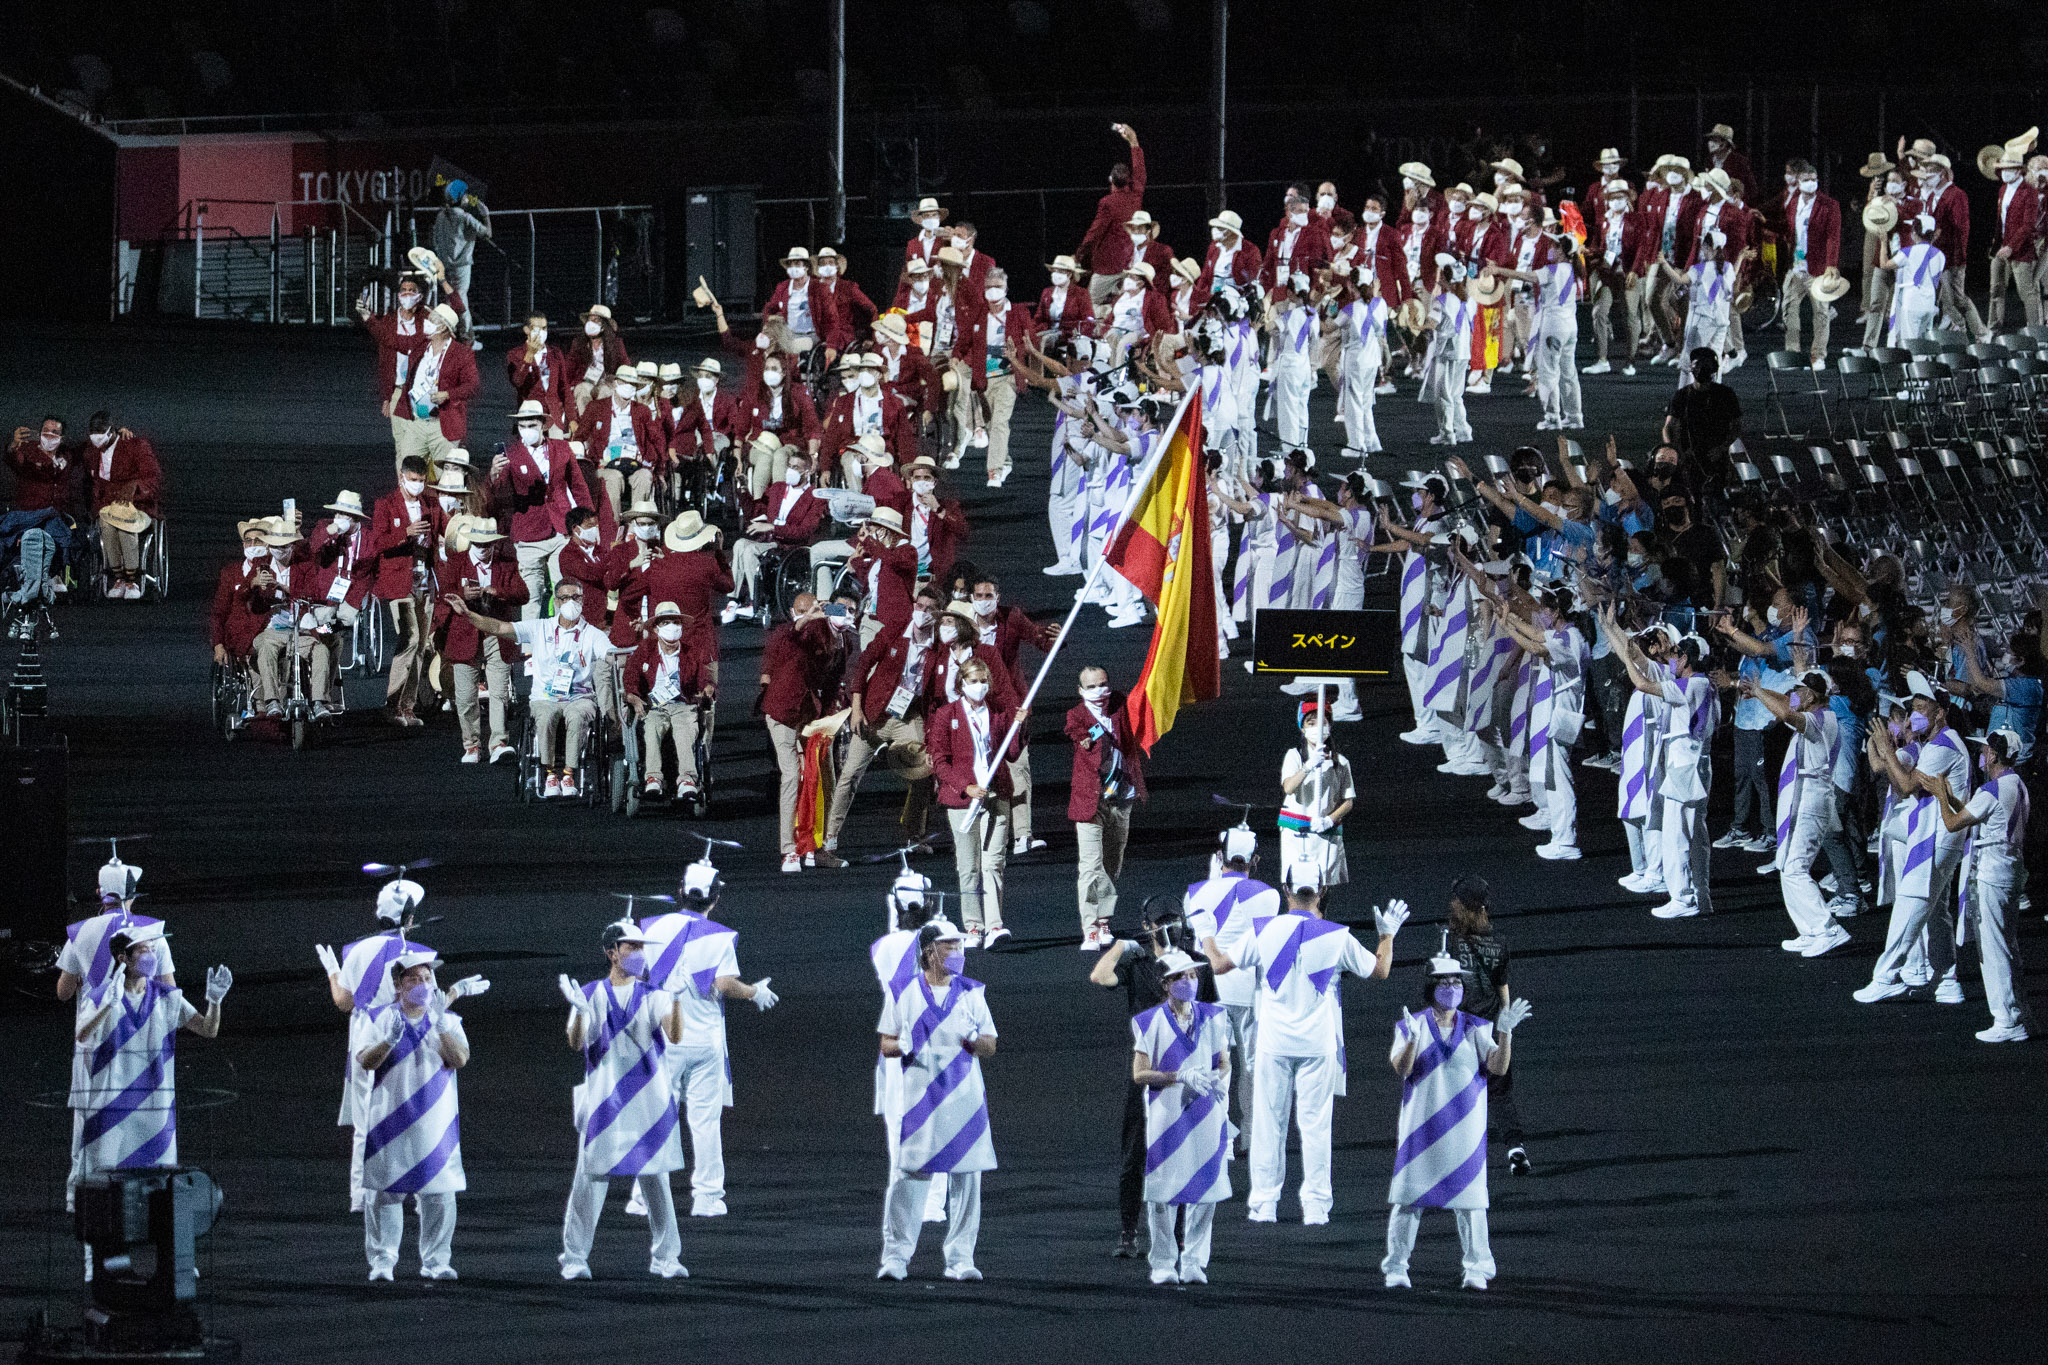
718	244
35	807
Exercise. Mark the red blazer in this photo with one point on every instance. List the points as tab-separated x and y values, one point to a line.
887	488
1016	319
1247	265
391	343
2021	218
538	506
1084	729
896	581
1076	314
545	378
916	382
1655	201
38	482
806	514
330	556
1015	629
1738	168
1158	314
796	667
1823	234
691	436
1433	239
799	416
949	744
899	428
855	310
693	580
1387	265
133	473
692	670
581	351
585	564
1638	243
458	379
241	610
974	278
595	431
921	248
628	579
1110	254
1112	211
947	530
1311	249
503	596
394	551
825	321
1733	223
1002	689
876	674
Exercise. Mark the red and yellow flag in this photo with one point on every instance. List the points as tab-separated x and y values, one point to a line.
1162	548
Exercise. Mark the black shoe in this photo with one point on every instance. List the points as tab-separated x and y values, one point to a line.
1921	995
1518	1160
1126	1247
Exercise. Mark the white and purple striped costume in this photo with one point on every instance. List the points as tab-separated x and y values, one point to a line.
128	1099
1997	871
626	1120
944	1129
1187	1136
1685	776
1420	590
1915	286
1923	900
1636	800
894	958
1806	814
1440	1155
1557	711
686	954
1362	324
88	955
1241	360
412	1139
1257	547
1294	376
1444	693
366	976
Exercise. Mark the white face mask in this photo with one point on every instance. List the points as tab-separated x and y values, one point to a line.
413	487
850	382
408	301
922	487
707	386
1371	215
1215	234
984	606
1771	616
50	443
1808	186
920	617
962	245
2010	177
827	271
1299	218
1420	218
792	476
448	504
1407	183
993	295
949	632
252	553
797	272
1791	179
588	535
530	433
538	336
772	378
99	439
761	342
1138	240
645	530
1674	179
338	526
1060	277
918	288
1500	178
1133	284
669	631
974	691
570	609
479	554
1313	733
869	379
930	222
436	330
1096	693
1326	202
1894	187
592	328
1475	213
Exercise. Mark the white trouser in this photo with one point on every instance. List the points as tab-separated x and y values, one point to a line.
1417	671
1191	1250
1244	1043
1934	912
1405	1220
1348	595
586	1204
892	1127
1911	322
1560	799
1460	745
1996	905
1803	899
1359	368
903	1217
1686	853
1451	423
1066	508
356	1196
536	561
1293	379
1310	1083
384	1229
700	1091
1644	856
1557	371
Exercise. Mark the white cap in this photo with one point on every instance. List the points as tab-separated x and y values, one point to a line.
910	887
1443	964
1917	684
1239	841
700	878
145	933
418	957
397	896
1173	962
943	930
118	878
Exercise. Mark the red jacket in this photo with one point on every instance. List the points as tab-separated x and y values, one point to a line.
595	431
1246	266
1112	211
536	505
1387	266
625	578
887	488
1002	689
1014	629
1084	730
926	249
505	594
1076	315
545	378
944	532
856	311
1016	320
582	351
694	428
391	344
1311	250
1823	234
1733	223
693	673
2016	229
1433	239
458	379
132	472
825	321
796	668
394	551
912	378
893	585
1653	205
798	421
878	671
899	427
585	565
1157	316
693	580
39	481
1638	243
241	610
801	509
352	557
949	743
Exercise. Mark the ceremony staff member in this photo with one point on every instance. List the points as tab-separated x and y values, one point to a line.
1182	1058
1923	901
412	1118
1685	770
537	482
1440	1156
489	583
666	683
1104	250
887	687
1998	814
1109	777
540	372
1814	229
1221	911
975	787
1806	807
939	1026
798	682
1317	794
572	680
1133	964
911	904
1557	712
406	530
625	1109
1295	957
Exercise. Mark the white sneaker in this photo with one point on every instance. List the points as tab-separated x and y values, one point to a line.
980	438
1475	1282
1734	838
472	755
377	1272
1193	1274
1165	1277
2003	1033
707	1206
1061	570
1262	1213
1796	945
1769	869
1417	736
1513	798
1880	990
1949	992
729	613
1496	791
1298	688
1399	1281
1825	942
1630	881
891	1270
132	591
1091	941
1316	1218
499	751
792	862
575	1270
952	461
1534	820
1129	618
568	785
1845	907
1828	883
1763	843
962	1272
971	939
1559	853
1341	714
1597	367
994	936
1673	910
1629	370
668	1270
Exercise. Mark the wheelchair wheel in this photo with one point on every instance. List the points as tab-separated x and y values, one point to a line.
223	715
529	760
299	725
619	782
156	577
792	576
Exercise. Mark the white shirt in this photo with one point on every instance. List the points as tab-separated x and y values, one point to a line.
668	679
1296	1019
1319	794
562	659
1799	218
2001	808
1616	218
800	308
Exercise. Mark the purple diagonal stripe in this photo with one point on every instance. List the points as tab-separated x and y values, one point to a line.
963	1142
650	1142
130	1099
395	1124
944	1084
152	1152
379	968
1441	1122
1161	1151
1437	1049
630	1084
1283	961
431	1165
1203	1180
127	1024
1454	1184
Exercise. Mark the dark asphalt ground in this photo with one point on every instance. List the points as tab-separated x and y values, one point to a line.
1733	1160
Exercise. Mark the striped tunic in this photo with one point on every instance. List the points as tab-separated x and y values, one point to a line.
1807	772
1187	1137
944	1129
1445	692
366	975
894	958
1926	834
1440	1157
686	956
1641	728
625	1109
129	1104
413	1142
87	953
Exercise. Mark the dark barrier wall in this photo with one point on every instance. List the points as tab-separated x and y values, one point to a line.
58	235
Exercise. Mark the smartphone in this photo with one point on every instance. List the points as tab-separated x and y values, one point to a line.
291	505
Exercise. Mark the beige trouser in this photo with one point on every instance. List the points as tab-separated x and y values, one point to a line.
901	743
677	720
315	653
122	550
746	569
1877	306
639	481
1101	843
1516	325
536	567
2021	274
409	659
1002	400
1799	289
1957	308
980	852
764	469
577	715
789	761
962	405
419	436
1020	812
1102	288
1664	309
494	671
1603	299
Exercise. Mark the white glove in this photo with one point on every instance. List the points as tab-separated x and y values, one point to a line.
765	999
1511	1015
469	985
394	1024
217	982
329	963
1201	1082
579	1002
1406	1028
1319	824
1390	920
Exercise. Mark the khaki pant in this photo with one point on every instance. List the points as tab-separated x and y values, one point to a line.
2022	275
1020	812
962	406
1663	309
901	742
498	674
980	852
577	715
1877	307
1101	843
121	550
408	659
536	565
639	481
1604	296
789	761
417	436
1102	288
678	721
1002	400
746	570
1799	289
315	653
764	469
1957	309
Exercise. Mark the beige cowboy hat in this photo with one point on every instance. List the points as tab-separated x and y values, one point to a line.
1485	201
1618	188
929	205
1717	180
1187	268
873	360
1412	315
891	327
1609	156
643	510
767	443
919	266
888	518
1880	216
1461	189
798	253
1722	131
446	316
126	516
278	531
1066	263
1830	286
1140	219
671	372
423	260
450	481
1876	164
1486	290
1671	161
922	462
829	253
700	293
243	528
1938	159
349	501
1229	221
947	255
1989	158
629	374
1508	164
531	407
688	532
872	445
1920	147
1419	173
667	611
454	456
650	372
1143	270
598	310
465	530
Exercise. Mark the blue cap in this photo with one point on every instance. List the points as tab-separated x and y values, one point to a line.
457	188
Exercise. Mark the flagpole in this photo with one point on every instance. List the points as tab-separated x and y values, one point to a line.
1138	485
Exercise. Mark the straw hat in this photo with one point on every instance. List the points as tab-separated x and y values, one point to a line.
872	446
278	531
688	532
243	528
1988	160
1717	180
1487	290
450	481
532	409
919	267
797	253
1229	221
644	510
929	205
671	373
1722	131
947	256
891	327
709	366
1419	173
1876	164
1610	157
349	501
1412	315
667	611
1880	216
446	316
1066	263
888	518
125	516
1485	201
465	530
1187	268
1143	270
598	310
1140	219
1830	286
1508	164
423	260
1938	159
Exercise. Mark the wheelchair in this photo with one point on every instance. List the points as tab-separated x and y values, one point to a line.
156	562
29	588
628	775
234	694
304	725
367	651
595	759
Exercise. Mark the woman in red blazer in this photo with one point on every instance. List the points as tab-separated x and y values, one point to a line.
964	740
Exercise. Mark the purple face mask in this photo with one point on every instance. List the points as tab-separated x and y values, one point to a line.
145	966
1793	701
1181	989
418	996
1898	730
956	963
1449	994
634	963
1917	723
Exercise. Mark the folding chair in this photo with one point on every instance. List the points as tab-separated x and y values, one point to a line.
1791	376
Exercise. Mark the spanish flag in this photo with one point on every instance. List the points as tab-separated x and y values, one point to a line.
1162	549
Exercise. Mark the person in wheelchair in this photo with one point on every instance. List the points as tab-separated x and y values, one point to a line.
487	579
624	438
706	425
244	597
869	410
667	685
126	484
290	584
569	662
625	568
788	517
42	502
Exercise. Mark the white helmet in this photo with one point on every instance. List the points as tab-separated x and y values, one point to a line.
118	878
396	897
